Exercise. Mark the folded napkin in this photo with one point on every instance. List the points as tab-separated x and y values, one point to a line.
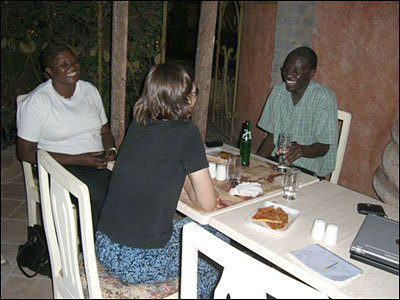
326	263
247	189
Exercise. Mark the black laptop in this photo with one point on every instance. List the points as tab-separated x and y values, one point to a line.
377	243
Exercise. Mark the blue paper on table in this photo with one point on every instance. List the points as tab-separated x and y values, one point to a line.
326	263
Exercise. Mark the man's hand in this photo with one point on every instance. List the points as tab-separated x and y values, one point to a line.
293	152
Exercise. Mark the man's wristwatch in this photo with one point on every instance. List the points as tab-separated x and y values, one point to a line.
113	149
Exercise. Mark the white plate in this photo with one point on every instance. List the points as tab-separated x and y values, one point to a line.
293	214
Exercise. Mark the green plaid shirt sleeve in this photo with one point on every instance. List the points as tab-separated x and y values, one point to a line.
313	119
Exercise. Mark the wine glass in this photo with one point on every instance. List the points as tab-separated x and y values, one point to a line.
284	142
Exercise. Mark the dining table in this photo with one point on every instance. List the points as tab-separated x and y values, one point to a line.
261	170
323	200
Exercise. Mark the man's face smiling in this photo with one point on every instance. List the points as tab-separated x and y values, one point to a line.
297	73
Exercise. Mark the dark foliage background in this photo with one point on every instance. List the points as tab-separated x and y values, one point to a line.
85	26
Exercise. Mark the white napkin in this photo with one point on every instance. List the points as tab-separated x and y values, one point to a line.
247	189
326	263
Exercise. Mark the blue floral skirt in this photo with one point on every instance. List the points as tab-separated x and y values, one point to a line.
137	265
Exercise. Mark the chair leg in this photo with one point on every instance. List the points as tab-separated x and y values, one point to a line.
32	212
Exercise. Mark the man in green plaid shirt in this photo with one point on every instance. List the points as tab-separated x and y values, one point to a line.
307	110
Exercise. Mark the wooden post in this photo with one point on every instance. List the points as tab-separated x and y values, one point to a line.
118	66
100	46
164	32
203	66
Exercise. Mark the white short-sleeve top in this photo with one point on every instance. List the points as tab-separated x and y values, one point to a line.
61	125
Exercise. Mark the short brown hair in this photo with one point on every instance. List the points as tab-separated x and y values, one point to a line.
165	95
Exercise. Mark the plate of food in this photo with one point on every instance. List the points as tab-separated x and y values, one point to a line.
273	216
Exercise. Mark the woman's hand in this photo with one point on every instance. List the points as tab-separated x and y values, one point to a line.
108	143
218	205
94	159
111	154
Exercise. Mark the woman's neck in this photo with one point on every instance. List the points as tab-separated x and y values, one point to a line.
65	90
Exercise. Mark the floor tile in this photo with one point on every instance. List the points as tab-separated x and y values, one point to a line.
32	288
20	213
9	206
17	179
10	254
13	191
14	232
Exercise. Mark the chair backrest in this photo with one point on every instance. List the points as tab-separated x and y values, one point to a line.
32	193
31	187
345	117
20	98
243	276
56	184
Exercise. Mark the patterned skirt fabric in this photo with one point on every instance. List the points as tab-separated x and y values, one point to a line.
137	265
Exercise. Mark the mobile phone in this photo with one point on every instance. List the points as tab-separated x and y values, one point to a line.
367	208
214	144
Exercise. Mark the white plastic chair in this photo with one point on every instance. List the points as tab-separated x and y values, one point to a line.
59	228
32	193
345	117
243	276
31	185
32	188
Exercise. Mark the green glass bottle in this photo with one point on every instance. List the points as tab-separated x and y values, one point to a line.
245	144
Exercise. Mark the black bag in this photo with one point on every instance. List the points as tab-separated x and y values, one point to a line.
34	254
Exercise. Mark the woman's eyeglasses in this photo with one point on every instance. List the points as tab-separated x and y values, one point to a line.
195	92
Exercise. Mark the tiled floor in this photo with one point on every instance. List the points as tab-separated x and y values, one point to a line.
15	285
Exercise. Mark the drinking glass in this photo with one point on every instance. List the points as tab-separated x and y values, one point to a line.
291	183
233	169
284	142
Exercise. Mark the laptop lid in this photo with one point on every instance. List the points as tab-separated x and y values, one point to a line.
378	240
